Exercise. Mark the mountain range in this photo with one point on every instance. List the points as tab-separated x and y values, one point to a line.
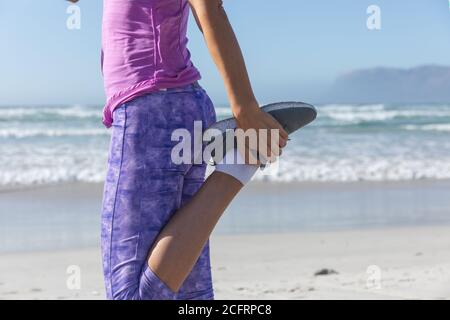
422	84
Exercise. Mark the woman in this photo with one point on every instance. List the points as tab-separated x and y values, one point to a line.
157	215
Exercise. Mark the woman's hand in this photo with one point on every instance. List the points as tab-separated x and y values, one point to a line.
267	145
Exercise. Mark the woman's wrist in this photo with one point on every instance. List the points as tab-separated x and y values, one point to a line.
244	110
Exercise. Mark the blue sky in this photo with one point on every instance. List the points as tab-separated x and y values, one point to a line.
293	48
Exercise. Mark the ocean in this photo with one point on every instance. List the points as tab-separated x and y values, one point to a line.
56	156
42	145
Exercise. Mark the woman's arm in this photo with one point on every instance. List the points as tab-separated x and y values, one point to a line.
226	53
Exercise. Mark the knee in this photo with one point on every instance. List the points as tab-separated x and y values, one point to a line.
152	288
148	287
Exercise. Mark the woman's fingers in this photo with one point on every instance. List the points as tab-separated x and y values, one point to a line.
269	145
249	155
276	125
283	142
267	139
278	141
253	157
283	135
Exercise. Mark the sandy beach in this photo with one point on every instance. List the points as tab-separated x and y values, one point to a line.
375	240
413	263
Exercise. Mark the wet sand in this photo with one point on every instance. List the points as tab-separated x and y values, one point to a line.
400	263
383	240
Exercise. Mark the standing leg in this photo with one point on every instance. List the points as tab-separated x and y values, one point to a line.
142	191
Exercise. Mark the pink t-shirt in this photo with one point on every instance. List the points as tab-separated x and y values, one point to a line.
144	49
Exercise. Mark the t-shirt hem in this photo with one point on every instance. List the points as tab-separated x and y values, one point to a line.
139	89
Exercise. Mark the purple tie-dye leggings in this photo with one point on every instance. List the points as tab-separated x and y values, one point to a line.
144	188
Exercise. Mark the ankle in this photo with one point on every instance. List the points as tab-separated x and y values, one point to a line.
233	165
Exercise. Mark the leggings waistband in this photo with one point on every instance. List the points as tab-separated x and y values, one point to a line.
193	86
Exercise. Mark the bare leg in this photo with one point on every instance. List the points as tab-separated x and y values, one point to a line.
179	244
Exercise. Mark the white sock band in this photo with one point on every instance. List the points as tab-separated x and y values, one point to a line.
234	165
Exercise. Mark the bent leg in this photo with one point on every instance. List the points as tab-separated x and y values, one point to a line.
198	284
180	243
